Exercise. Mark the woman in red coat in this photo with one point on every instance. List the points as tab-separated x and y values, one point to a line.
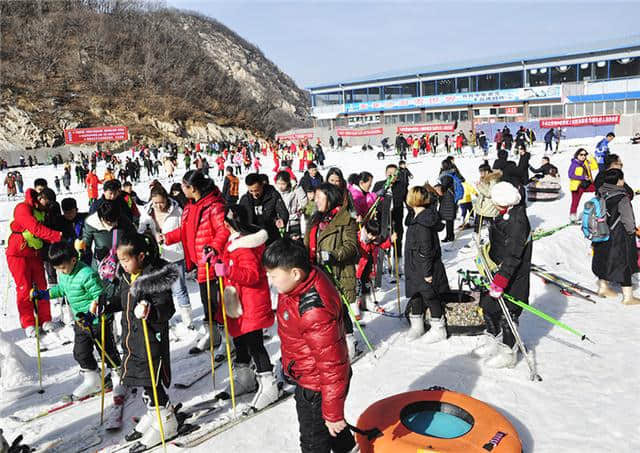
92	181
23	258
203	237
248	303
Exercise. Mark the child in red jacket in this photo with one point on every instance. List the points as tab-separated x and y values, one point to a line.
248	303
369	244
314	350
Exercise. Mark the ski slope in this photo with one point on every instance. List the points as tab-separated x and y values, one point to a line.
587	402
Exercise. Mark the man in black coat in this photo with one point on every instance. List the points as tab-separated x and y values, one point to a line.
312	178
112	190
545	169
401	146
264	206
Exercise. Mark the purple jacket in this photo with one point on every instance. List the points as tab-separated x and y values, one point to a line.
361	201
575	163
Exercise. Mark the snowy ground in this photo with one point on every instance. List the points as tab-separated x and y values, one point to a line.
587	402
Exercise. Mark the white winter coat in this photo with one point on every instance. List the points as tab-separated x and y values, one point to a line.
170	253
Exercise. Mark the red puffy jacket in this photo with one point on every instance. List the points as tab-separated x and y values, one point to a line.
369	251
202	224
24	220
92	181
312	338
459	141
243	255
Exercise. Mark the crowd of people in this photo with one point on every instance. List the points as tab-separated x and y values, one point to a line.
323	241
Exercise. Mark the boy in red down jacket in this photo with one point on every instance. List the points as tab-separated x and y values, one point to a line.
314	350
369	244
248	305
24	261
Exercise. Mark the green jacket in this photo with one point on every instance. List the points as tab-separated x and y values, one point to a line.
81	287
340	238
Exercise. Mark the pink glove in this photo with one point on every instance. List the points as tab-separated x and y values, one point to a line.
207	256
221	269
141	310
497	286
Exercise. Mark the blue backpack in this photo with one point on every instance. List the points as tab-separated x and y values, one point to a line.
458	188
594	219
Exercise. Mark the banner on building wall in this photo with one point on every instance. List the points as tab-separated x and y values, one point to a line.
421	128
96	134
600	120
359	132
299	136
476	97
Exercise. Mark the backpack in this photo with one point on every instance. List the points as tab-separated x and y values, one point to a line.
109	264
458	189
594	219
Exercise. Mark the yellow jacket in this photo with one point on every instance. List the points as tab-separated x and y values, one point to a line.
469	191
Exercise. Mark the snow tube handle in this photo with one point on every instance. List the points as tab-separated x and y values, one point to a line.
370	434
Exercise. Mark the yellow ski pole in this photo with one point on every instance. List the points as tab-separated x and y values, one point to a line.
395	257
102	358
37	319
226	338
153	380
213	359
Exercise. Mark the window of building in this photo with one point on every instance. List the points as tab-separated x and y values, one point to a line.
446	86
488	82
618	107
348	96
464	115
429	117
598	108
328	98
588	109
429	88
585	71
625	67
556	110
538	77
512	79
373	93
601	70
564	73
609	108
437	116
360	95
464	85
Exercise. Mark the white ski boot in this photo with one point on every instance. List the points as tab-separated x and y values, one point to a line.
144	423
30	332
244	381
185	316
351	345
604	290
202	344
151	436
371	305
417	327
51	326
628	297
91	383
437	332
504	357
356	310
487	346
268	391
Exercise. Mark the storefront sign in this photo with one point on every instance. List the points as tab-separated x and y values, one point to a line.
96	134
601	120
359	132
421	128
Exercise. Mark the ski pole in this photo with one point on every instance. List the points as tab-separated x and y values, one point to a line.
99	345
6	295
346	302
213	361
153	381
102	358
395	257
226	337
37	320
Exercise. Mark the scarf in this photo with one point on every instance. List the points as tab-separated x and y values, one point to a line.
318	228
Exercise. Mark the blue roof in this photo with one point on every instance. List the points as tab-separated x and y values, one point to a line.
605	96
528	56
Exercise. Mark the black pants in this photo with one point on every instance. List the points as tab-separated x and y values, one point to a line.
314	435
251	346
419	303
548	146
495	321
84	345
163	398
213	285
221	172
348	324
450	235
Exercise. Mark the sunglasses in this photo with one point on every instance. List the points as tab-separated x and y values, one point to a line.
582	154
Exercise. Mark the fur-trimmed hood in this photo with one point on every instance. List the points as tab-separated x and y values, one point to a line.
493	177
155	281
250	241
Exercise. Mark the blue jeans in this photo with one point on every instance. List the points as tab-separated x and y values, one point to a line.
179	287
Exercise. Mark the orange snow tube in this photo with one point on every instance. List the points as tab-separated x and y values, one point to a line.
435	421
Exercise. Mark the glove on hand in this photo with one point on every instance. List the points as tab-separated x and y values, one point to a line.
221	269
142	310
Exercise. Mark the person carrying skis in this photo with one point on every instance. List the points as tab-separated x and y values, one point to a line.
81	286
313	345
426	277
616	259
144	295
248	303
509	258
370	242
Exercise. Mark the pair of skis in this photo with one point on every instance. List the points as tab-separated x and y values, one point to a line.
567	287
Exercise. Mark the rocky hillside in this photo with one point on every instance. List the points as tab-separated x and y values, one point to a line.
166	74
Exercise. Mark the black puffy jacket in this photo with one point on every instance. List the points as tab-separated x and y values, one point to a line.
423	256
511	249
154	286
448	206
264	211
